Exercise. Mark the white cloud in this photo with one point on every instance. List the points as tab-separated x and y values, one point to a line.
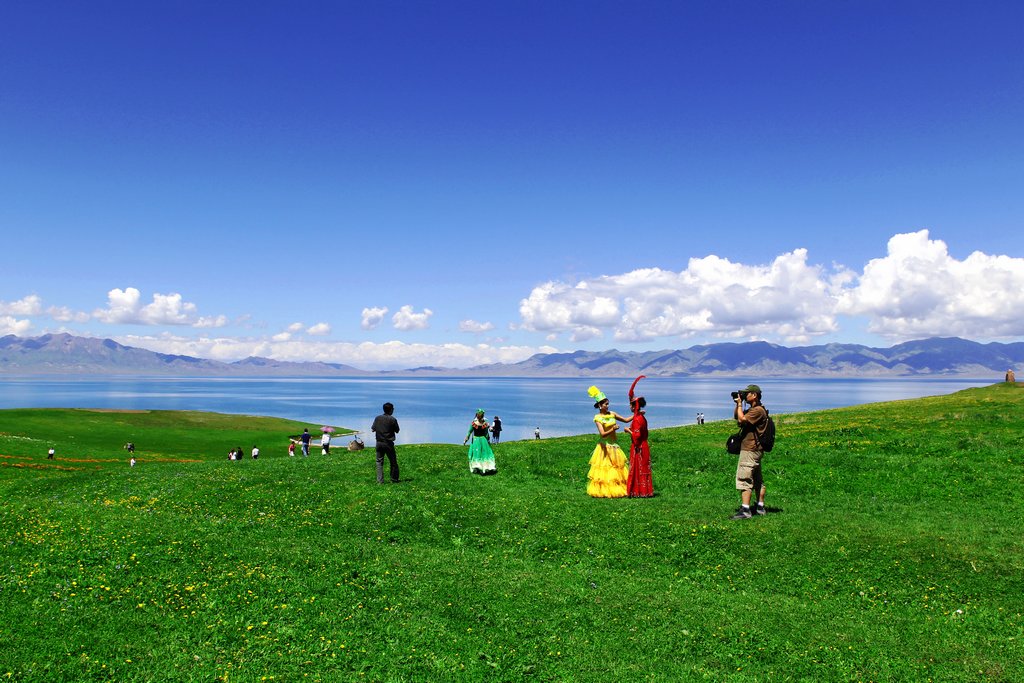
319	330
366	355
32	306
407	319
125	307
288	332
474	327
372	317
713	296
211	321
29	305
64	314
919	290
555	306
11	325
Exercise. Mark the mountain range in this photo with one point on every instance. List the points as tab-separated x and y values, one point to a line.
68	354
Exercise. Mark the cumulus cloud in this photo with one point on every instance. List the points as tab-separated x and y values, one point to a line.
319	330
787	298
11	325
66	315
372	317
126	307
29	305
474	327
407	319
32	306
366	355
918	289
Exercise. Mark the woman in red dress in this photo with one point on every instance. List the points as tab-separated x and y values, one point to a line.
639	484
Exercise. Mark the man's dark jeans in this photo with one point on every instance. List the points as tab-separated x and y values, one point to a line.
387	449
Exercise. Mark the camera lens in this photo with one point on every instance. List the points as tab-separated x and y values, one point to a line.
735	394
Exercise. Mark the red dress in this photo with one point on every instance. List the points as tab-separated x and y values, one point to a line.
639	484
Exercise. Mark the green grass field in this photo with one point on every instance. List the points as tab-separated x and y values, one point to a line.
892	552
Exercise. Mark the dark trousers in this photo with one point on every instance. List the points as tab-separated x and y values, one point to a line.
387	449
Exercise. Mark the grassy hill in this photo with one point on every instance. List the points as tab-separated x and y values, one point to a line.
892	551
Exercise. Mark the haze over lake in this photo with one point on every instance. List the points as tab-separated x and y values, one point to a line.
437	410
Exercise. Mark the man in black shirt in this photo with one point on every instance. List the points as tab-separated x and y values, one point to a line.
384	428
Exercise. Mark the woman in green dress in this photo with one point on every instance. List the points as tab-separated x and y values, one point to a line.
481	457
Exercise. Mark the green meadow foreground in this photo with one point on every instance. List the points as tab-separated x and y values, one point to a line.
892	552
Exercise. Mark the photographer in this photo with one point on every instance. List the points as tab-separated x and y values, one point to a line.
752	423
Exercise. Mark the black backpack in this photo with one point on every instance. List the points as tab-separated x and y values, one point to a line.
767	440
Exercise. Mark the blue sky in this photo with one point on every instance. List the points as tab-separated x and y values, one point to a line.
393	184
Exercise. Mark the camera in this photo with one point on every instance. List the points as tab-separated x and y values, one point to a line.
737	394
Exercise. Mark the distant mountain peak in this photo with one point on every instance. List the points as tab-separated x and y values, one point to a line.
67	354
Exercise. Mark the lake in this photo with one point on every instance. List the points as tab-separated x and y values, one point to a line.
439	410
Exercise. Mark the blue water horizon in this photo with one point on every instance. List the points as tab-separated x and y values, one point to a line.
439	410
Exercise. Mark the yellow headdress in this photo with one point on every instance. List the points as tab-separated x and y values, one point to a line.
596	394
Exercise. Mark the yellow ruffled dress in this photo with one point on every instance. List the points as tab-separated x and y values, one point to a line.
608	468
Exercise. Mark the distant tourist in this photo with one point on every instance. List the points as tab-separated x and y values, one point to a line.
255	452
752	423
1010	378
496	429
481	457
639	484
291	447
132	462
384	428
232	455
325	444
608	470
50	454
130	447
536	433
305	443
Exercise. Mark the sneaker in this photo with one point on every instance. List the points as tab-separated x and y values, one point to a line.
760	510
742	514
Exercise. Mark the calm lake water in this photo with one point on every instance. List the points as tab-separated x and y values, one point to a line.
439	410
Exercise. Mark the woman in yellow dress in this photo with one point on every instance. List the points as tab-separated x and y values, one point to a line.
608	468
